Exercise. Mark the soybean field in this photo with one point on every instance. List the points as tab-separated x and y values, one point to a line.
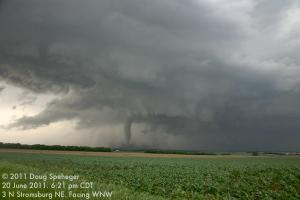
202	177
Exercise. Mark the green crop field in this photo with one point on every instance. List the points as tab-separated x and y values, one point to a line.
210	177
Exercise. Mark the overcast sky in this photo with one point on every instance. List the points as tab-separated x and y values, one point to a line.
192	74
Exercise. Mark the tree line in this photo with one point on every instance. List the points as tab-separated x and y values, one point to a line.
53	147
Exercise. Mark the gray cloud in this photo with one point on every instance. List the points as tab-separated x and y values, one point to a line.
183	68
2	88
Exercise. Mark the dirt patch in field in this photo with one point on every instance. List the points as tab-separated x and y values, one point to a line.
117	154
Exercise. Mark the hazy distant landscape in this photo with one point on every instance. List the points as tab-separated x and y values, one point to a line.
136	149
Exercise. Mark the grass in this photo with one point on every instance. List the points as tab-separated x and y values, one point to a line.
221	177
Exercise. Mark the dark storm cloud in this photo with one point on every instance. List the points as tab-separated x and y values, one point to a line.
178	67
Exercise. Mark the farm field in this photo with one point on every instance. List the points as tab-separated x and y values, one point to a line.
138	177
